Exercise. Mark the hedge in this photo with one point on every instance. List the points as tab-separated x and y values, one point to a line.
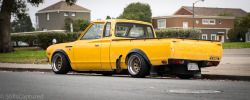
28	38
45	39
178	33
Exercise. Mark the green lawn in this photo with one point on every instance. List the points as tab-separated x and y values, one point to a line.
235	45
24	55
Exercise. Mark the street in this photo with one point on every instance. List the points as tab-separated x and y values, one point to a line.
45	86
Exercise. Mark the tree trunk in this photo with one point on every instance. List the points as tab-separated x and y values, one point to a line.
5	16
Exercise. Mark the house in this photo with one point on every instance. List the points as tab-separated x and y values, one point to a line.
52	17
208	20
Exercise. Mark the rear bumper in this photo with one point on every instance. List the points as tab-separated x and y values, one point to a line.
201	63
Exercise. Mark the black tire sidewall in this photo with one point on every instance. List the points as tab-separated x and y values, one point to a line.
65	64
144	68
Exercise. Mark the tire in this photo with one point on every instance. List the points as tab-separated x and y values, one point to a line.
137	66
60	64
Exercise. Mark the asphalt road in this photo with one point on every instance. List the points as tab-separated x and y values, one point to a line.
48	86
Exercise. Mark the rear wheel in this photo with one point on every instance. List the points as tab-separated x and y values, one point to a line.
137	66
60	64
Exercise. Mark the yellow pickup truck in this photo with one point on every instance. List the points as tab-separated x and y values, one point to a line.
129	46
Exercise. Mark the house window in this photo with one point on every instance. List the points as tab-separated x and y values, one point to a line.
204	36
212	21
161	23
66	14
73	14
219	21
213	36
204	21
208	21
44	29
47	14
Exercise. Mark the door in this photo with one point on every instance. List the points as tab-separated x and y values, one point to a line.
220	38
87	50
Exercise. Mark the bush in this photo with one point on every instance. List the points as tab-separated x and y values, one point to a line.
178	33
45	39
78	24
29	38
236	33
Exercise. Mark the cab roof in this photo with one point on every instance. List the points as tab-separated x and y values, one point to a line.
121	20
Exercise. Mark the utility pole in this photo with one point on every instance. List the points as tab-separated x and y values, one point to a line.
193	10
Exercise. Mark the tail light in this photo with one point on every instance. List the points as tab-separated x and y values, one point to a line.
177	61
212	63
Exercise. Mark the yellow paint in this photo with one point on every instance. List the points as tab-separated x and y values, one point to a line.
86	56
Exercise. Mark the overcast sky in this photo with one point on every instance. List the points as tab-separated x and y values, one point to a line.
102	8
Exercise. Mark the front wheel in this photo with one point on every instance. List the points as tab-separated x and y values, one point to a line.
60	64
137	66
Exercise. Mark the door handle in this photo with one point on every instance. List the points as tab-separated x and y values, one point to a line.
96	45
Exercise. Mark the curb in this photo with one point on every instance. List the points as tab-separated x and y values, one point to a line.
25	69
226	77
204	76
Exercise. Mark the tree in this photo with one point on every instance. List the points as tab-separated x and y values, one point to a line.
245	21
16	8
108	17
237	34
22	25
67	22
137	11
80	24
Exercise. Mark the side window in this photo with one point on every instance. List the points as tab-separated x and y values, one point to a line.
107	29
121	30
94	32
150	32
137	31
133	30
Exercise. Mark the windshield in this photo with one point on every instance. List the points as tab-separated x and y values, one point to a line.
94	32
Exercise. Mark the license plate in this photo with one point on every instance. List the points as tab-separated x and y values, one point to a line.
192	66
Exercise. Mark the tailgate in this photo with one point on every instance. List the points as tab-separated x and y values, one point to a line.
197	50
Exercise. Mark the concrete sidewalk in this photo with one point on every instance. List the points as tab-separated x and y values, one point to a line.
235	65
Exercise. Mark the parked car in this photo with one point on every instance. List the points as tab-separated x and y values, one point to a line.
118	46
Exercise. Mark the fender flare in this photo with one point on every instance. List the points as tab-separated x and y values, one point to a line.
140	52
61	51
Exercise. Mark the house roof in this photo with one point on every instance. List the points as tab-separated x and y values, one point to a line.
63	6
210	11
191	16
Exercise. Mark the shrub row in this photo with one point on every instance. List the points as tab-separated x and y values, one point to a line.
45	39
178	33
28	38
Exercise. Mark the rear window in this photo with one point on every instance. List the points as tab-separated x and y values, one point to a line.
133	30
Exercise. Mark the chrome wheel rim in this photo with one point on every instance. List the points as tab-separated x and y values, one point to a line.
57	63
134	64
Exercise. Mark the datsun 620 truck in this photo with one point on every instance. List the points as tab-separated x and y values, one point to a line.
129	46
